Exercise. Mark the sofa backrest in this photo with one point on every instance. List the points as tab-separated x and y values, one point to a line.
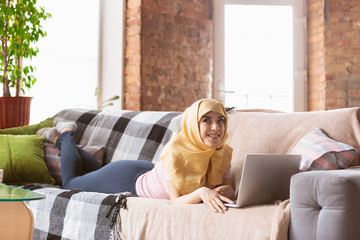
125	134
266	132
142	135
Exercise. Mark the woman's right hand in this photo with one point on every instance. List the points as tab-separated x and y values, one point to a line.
213	199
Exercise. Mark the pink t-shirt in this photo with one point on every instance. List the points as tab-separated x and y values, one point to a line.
152	184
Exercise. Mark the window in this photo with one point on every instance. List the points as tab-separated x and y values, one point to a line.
260	54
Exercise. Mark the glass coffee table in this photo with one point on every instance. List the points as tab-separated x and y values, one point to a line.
16	219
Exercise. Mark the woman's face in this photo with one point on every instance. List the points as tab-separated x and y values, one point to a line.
212	128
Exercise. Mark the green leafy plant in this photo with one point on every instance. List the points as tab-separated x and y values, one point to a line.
105	103
20	30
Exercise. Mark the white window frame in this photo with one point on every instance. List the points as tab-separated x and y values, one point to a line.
300	62
111	50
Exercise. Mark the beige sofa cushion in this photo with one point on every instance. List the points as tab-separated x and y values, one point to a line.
272	132
158	219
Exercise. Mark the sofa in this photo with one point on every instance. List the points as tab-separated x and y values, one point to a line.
322	204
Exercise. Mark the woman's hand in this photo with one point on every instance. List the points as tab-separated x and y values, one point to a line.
225	190
210	197
213	199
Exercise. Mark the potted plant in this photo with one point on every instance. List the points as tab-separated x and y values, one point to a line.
20	30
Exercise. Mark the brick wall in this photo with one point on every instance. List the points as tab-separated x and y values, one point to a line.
168	54
333	54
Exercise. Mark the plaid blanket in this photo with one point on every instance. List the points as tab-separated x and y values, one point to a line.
130	135
125	134
71	215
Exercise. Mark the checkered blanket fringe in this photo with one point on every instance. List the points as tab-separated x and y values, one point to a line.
75	215
126	135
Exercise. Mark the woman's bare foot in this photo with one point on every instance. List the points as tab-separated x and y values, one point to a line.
55	138
66	130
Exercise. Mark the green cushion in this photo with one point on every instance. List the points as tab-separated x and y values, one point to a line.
22	158
28	130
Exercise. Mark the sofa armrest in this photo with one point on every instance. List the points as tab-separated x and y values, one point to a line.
325	205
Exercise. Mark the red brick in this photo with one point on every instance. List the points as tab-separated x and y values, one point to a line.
133	59
355	93
336	7
133	31
354	68
336	68
133	4
133	21
149	4
162	8
131	13
132	69
131	79
133	50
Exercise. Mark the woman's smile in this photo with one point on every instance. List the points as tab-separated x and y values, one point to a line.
212	128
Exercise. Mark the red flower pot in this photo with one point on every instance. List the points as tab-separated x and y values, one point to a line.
14	111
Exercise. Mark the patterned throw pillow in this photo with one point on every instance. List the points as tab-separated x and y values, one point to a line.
319	152
52	158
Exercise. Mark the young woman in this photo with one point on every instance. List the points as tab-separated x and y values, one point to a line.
194	166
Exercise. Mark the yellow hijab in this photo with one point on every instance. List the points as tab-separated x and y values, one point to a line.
186	158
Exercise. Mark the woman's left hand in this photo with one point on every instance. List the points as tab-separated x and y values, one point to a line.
213	199
225	190
203	194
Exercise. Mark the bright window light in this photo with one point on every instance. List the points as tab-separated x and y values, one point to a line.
67	63
259	57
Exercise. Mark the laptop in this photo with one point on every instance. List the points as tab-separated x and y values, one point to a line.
266	178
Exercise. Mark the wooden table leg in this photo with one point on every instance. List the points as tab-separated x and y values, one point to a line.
16	221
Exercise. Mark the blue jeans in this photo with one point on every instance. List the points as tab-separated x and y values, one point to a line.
115	177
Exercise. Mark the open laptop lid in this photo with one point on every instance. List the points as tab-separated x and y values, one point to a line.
266	178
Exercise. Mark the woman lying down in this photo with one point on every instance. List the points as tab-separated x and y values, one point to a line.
194	166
